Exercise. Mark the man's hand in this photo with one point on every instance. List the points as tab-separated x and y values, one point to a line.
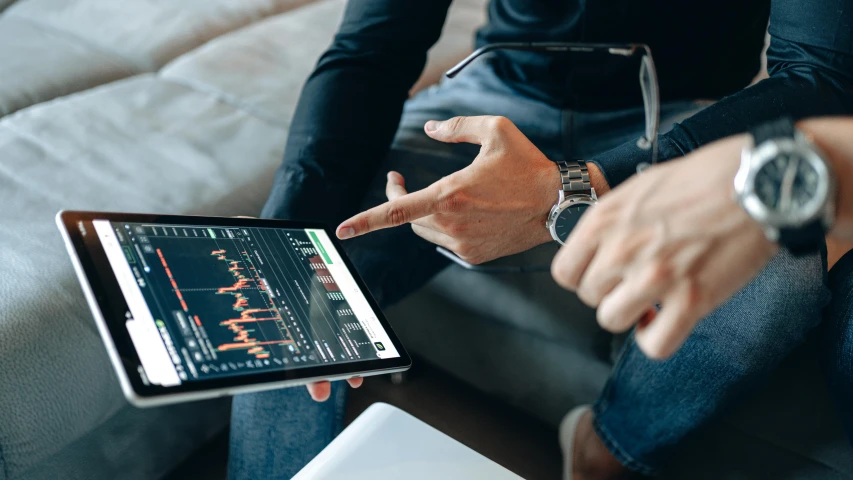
673	235
320	391
495	207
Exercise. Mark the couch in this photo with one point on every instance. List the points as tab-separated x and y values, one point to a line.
184	107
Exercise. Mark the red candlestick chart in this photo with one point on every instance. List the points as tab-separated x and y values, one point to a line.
246	326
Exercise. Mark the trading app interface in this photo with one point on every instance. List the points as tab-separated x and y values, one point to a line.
209	302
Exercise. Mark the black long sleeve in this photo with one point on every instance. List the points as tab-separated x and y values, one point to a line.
351	105
810	62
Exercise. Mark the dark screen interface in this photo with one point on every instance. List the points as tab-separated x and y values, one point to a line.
230	300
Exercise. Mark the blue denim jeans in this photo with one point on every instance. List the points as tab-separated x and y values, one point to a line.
647	406
837	340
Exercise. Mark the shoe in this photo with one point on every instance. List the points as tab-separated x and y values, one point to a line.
567	437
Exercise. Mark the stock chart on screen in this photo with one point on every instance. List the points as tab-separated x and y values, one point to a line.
228	300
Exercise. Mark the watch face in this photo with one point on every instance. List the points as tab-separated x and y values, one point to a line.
787	183
568	218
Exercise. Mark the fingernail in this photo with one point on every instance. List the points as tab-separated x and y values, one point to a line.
432	125
346	232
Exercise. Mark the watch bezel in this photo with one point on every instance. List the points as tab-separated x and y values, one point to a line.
562	206
753	158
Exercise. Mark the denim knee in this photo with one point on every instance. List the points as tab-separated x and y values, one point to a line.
774	313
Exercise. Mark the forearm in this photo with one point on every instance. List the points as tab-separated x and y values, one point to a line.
810	62
350	107
834	136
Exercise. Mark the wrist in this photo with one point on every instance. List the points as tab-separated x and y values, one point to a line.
548	189
834	143
597	180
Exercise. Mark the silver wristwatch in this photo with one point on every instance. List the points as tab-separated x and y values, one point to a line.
785	183
574	198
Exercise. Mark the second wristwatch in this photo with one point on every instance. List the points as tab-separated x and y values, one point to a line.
574	198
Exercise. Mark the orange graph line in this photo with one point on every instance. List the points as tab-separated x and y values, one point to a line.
232	346
247	315
172	280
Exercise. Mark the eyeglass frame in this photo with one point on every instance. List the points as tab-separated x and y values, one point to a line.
651	106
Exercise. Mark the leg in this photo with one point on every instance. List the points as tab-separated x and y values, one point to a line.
649	406
274	434
837	338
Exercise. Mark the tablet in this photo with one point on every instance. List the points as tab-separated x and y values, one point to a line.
199	307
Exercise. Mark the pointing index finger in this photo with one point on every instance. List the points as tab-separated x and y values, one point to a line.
391	214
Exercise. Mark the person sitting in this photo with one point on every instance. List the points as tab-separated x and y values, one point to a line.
525	111
693	250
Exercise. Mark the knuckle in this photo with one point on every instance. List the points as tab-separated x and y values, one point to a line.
694	295
465	251
453	124
661	273
396	215
452	200
499	123
455	229
560	275
586	295
362	224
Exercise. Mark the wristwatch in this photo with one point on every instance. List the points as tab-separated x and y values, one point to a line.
574	198
785	183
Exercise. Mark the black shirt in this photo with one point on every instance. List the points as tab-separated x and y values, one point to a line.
351	105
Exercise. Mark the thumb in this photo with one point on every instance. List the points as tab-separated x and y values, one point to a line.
476	130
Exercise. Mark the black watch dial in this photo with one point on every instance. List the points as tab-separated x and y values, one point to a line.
568	218
787	183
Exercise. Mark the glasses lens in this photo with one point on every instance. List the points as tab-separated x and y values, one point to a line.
651	102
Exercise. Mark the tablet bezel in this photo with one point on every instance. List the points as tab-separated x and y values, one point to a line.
108	306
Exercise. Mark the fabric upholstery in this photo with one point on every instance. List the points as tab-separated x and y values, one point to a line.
142	144
260	67
63	67
56	47
196	139
204	136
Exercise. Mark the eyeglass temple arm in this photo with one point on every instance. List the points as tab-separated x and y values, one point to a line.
651	97
614	49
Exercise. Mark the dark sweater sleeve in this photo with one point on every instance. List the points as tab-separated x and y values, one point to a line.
810	62
350	107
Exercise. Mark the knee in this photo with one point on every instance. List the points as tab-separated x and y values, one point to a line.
773	313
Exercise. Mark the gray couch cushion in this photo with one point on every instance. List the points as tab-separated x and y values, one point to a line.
56	47
147	33
142	144
42	64
261	66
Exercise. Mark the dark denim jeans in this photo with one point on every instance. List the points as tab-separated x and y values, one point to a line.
647	406
837	340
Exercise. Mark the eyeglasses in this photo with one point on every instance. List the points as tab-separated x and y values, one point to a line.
651	106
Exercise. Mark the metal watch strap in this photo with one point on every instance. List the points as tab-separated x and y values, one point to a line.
781	128
575	177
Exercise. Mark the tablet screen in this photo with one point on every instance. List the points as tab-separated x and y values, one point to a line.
207	302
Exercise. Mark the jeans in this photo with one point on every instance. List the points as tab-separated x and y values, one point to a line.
276	433
737	344
837	340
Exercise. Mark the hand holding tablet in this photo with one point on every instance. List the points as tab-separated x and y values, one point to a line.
199	307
